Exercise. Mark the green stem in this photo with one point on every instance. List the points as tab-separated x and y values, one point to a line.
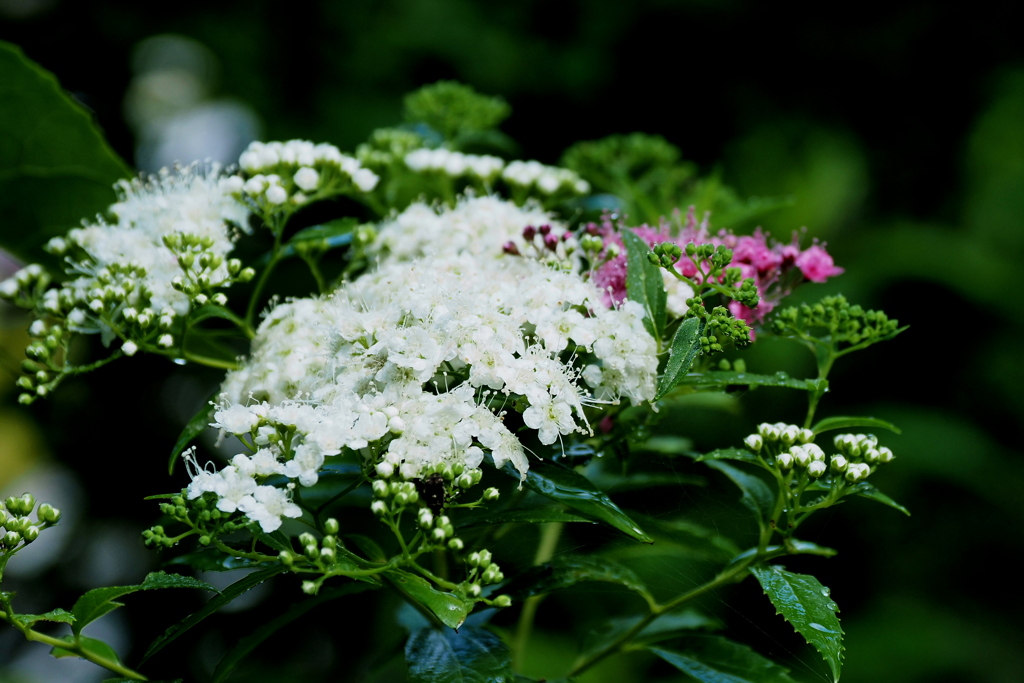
275	256
73	647
727	576
549	535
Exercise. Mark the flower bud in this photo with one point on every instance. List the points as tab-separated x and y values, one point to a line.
3	515
474	590
11	539
473	560
857	471
814	450
502	601
784	461
331	526
456	544
327	555
492	494
286	558
789	434
485	558
870	455
754	442
309	587
311	552
306	538
385	470
465	480
839	464
806	436
378	508
816	469
438	535
885	455
800	456
426	518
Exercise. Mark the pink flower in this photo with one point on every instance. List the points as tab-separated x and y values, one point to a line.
816	264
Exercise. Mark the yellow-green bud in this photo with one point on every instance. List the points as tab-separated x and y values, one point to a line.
502	601
331	526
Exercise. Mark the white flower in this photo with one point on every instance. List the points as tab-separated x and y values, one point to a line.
307	178
267	505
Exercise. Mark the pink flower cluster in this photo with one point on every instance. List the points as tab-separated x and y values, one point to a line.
776	267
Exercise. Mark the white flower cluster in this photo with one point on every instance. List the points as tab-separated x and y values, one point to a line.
480	226
132	274
296	171
454	164
547	179
415	364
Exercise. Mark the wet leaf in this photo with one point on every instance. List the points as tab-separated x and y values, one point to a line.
644	283
740	454
99	601
805	603
722	378
866	490
91	645
713	659
227	595
471	655
58	614
535	515
840	422
567	571
567	486
685	347
757	497
448	607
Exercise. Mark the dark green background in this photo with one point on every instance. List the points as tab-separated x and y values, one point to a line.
897	129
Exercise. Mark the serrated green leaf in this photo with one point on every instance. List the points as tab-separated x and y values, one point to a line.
91	645
196	426
713	659
685	347
566	571
866	490
212	311
58	614
472	655
805	603
741	454
840	422
99	601
644	283
756	496
534	515
233	591
567	486
242	649
449	608
723	378
55	167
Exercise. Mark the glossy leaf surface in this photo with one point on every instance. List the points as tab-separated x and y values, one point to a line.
100	601
685	347
450	609
713	659
841	422
644	283
473	655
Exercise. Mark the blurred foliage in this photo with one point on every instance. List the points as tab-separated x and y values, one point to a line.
905	154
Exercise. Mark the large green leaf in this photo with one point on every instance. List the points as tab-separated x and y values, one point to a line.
227	595
565	485
449	608
866	490
757	497
196	426
713	659
740	454
58	614
246	645
685	347
471	655
723	378
569	570
100	601
93	646
805	603
644	283
841	422
55	167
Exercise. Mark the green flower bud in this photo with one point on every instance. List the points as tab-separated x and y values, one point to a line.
11	539
3	515
311	552
492	494
379	508
309	587
885	455
204	540
485	558
784	461
438	535
754	442
474	590
331	526
327	555
816	469
286	558
306	538
456	544
473	560
380	488
839	464
502	601
805	436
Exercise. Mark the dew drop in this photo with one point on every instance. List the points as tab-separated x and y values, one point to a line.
826	591
179	361
819	627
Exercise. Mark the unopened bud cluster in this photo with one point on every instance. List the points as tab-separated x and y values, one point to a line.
788	447
17	528
319	554
200	515
547	245
552	181
281	176
482	571
481	167
835	316
720	327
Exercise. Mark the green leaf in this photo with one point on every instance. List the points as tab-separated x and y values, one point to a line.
58	614
447	607
94	647
757	497
99	601
534	515
866	490
644	283
213	560
227	595
471	655
55	167
722	378
331	230
839	422
567	571
212	311
713	659
805	603
196	426
740	454
567	486
246	645
685	347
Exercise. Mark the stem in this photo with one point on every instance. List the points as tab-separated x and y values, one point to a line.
73	647
275	256
210	362
724	577
549	535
